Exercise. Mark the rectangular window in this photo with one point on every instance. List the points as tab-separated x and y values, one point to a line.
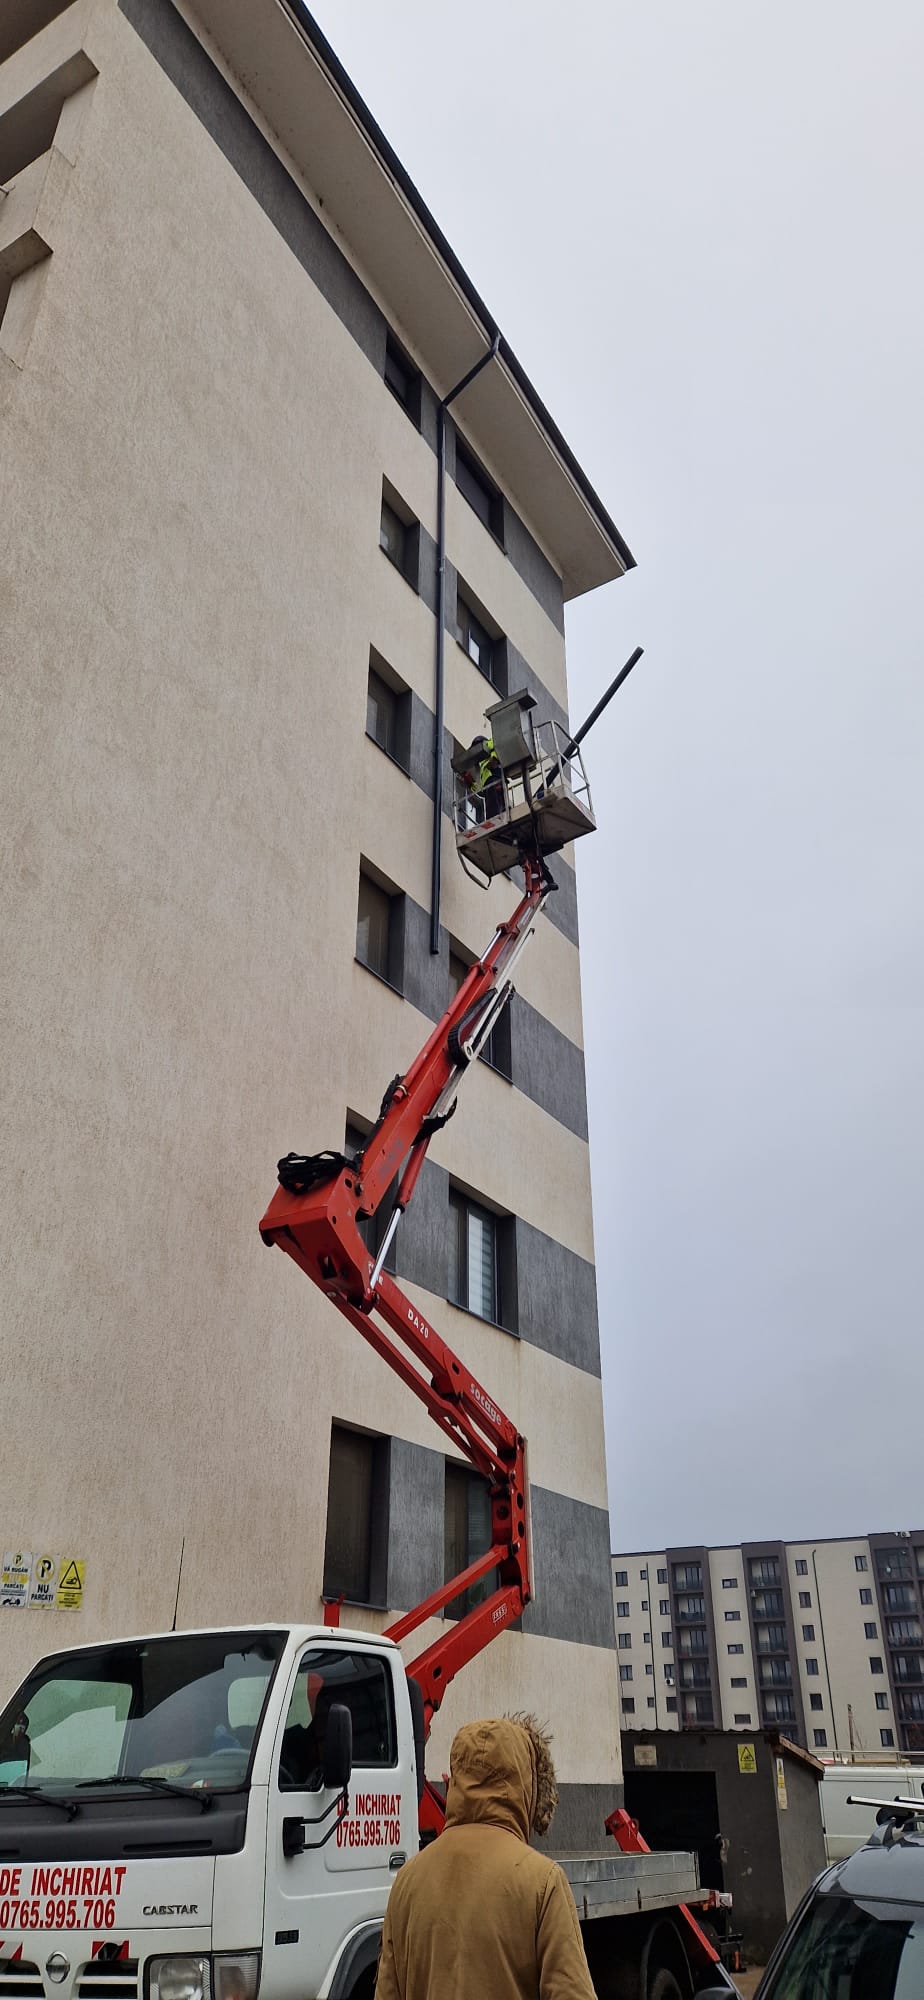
622	1607
644	1603
665	1607
732	1617
739	1680
887	1739
363	1685
805	1599
860	1562
388	712
893	1563
628	1704
811	1666
671	1704
620	1578
741	1716
356	1490
475	640
667	1639
625	1639
393	536
866	1596
821	1738
466	1534
651	1701
875	1663
816	1701
497	1050
475	1258
882	1700
729	1583
801	1566
669	1675
402	378
647	1638
643	1576
808	1632
869	1630
625	1673
763	1569
480	492
662	1575
380	930
649	1669
737	1647
688	1576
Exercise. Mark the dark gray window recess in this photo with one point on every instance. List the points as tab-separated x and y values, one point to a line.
479	490
388	711
497	1051
486	648
357	1495
399	535
466	1534
482	1276
402	378
380	927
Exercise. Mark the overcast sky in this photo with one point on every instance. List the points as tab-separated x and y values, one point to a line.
700	227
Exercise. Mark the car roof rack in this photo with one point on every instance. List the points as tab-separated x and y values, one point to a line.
894	1817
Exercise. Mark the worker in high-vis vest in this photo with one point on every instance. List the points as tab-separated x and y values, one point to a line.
488	779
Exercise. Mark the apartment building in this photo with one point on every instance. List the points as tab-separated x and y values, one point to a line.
822	1640
231	905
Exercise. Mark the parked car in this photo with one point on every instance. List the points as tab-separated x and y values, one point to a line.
859	1933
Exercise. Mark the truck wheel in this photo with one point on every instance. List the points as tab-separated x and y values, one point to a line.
663	1986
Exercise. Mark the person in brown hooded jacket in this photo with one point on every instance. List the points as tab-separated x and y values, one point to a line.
479	1915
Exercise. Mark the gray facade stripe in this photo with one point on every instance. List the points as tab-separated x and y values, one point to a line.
579	1826
554	1295
572	1586
545	1065
416	1500
220	111
572	1579
556	1298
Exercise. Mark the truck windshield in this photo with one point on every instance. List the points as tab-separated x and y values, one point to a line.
853	1951
185	1708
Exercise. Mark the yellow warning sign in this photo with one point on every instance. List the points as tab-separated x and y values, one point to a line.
69	1595
747	1758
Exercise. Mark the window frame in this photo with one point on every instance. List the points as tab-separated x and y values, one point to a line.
405	557
478	489
407	393
392	972
312	1656
471	623
467	1478
374	1579
398	751
463	1205
497	1054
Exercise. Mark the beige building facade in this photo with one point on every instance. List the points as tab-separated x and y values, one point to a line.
226	321
822	1640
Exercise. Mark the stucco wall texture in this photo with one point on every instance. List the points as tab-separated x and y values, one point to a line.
193	448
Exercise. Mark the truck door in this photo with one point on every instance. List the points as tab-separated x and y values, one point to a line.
317	1898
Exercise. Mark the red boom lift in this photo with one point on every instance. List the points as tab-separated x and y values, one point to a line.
535	800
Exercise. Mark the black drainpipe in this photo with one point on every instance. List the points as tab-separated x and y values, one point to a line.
441	636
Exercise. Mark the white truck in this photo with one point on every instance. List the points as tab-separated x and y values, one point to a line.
219	1815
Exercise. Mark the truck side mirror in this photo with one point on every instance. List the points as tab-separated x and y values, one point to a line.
338	1748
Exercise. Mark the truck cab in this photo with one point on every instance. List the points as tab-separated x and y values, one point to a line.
183	1816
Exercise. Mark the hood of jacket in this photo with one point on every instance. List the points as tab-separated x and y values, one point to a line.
501	1774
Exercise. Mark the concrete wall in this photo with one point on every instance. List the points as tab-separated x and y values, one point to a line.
195	435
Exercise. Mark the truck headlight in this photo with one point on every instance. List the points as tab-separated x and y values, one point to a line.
236	1975
180	1978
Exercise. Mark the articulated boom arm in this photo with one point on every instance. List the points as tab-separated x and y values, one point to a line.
315	1217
